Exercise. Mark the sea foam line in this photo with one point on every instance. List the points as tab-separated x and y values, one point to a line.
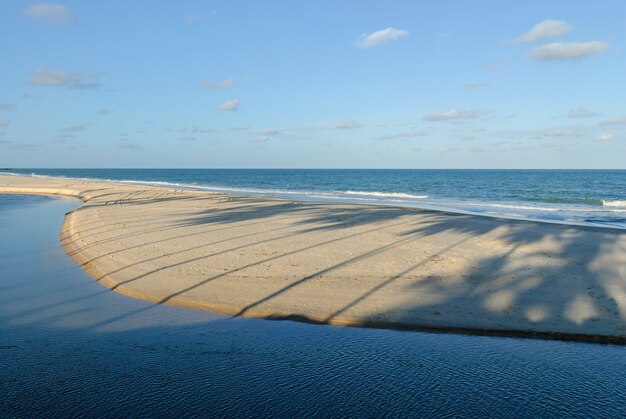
384	194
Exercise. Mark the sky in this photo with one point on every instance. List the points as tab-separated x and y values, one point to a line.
313	84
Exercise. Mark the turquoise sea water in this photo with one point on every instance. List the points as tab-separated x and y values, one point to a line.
596	197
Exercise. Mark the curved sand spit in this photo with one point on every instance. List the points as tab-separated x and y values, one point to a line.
345	264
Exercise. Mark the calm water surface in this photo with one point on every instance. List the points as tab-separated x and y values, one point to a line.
70	347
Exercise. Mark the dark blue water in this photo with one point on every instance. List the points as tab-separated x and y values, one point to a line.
72	348
595	197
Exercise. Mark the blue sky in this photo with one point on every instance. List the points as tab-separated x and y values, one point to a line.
403	84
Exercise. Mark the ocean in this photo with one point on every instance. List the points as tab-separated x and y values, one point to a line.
587	197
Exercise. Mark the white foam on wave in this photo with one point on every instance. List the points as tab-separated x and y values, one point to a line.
614	203
148	182
385	194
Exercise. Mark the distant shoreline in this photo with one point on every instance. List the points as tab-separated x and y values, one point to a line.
345	264
608	212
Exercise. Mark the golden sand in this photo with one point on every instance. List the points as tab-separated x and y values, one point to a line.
345	264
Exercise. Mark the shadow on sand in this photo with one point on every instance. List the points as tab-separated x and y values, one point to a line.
575	278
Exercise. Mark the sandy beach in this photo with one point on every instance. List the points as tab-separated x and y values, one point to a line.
345	264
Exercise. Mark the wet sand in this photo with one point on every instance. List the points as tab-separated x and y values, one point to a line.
345	264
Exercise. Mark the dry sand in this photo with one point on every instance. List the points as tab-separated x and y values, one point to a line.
345	264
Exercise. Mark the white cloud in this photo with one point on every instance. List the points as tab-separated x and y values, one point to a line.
224	83
49	13
473	85
581	113
5	106
546	29
229	105
345	125
618	120
240	128
104	111
58	78
381	37
452	114
567	50
266	134
605	137
4	123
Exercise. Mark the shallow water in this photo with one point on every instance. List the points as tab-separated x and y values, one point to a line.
70	347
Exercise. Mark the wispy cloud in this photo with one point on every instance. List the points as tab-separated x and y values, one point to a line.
563	132
381	37
266	134
58	78
4	123
271	132
199	17
546	29
229	105
104	111
6	106
561	144
193	130
451	115
240	128
606	137
24	146
49	12
401	135
618	120
568	50
497	65
220	85
345	125
73	128
581	113
130	146
473	85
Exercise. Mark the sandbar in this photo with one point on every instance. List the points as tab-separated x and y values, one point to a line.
344	264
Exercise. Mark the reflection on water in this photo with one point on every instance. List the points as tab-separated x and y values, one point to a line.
70	347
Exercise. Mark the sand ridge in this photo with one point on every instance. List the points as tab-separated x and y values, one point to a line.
344	264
